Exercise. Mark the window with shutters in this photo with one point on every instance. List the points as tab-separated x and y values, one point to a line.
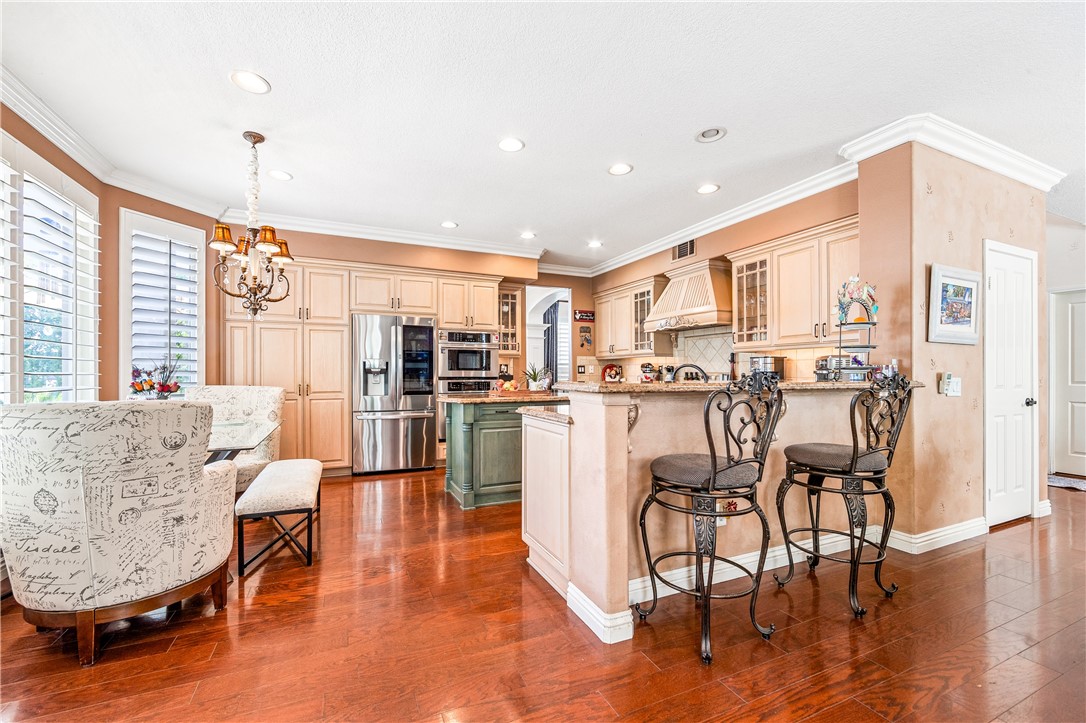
49	282
161	297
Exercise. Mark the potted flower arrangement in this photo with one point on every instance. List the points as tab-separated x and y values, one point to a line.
538	379
156	382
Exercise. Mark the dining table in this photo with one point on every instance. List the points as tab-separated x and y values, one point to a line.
231	438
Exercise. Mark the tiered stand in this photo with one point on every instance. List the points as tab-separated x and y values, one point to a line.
862	372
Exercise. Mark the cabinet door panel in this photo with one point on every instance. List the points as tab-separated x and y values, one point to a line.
454	311
326	430
277	350
373	291
327	358
417	295
840	260
622	323
237	365
484	305
497	454
290	440
603	328
326	296
289	309
796	293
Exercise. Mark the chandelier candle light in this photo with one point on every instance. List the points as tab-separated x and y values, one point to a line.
250	259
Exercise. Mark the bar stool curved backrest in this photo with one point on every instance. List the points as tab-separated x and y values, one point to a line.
878	416
747	413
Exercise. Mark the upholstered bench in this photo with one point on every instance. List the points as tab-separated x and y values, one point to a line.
285	487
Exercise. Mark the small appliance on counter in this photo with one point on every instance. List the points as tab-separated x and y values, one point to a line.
773	364
648	373
611	373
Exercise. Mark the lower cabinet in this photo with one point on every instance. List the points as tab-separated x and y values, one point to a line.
483	453
545	499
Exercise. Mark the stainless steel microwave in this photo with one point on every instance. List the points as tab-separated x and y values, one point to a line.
467	354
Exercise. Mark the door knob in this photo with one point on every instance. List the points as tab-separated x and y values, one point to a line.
1031	402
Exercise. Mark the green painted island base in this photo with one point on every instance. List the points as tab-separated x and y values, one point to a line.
483	451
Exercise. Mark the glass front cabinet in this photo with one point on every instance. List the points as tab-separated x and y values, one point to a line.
750	281
509	303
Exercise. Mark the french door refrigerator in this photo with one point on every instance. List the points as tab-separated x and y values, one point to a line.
394	413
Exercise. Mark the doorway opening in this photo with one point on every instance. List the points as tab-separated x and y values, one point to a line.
549	330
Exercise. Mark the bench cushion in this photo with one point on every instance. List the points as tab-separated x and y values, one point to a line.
289	484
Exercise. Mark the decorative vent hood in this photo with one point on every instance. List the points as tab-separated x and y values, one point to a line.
696	295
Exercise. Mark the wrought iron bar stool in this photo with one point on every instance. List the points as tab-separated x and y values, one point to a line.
878	415
714	485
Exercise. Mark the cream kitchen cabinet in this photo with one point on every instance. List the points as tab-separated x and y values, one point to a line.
379	292
289	309
326	293
327	394
468	304
277	362
785	291
620	315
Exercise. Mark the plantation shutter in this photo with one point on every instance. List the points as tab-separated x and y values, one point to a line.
59	297
9	284
165	304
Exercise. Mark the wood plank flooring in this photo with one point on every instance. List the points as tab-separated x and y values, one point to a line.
417	610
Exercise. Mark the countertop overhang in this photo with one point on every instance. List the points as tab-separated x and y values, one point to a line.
504	399
695	387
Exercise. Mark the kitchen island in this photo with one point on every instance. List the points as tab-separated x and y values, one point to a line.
598	563
483	445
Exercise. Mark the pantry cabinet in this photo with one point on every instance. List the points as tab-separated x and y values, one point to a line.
468	304
620	316
785	291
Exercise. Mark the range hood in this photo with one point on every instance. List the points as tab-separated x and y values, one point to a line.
695	296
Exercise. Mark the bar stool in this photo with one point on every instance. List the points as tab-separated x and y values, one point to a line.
711	486
878	415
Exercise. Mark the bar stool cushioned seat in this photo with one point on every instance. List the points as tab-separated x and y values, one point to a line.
740	419
877	416
691	470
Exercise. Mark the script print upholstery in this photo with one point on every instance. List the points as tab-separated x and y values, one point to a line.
243	404
107	503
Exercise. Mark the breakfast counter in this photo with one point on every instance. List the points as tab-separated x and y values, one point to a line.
483	444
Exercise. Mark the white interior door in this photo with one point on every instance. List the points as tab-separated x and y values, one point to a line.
1010	364
1068	392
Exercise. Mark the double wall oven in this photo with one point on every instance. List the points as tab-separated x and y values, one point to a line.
467	364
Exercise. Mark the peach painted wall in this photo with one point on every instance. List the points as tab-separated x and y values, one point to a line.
919	206
829	205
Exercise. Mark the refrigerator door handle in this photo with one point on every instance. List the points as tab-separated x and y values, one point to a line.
392	416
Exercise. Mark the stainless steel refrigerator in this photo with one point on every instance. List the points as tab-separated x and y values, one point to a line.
392	383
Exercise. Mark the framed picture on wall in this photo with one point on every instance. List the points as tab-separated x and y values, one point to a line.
953	305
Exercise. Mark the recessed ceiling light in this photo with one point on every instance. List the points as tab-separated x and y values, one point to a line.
281	175
527	235
708	188
511	145
710	135
449	224
250	81
620	169
595	244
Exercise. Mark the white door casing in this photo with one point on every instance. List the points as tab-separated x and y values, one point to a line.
1067	428
1011	441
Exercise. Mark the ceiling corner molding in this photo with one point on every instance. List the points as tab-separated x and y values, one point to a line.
817	183
17	96
565	270
952	139
373	233
140	185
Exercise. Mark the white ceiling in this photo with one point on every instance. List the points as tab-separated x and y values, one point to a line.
389	115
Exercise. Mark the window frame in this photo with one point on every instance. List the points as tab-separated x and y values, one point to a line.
132	222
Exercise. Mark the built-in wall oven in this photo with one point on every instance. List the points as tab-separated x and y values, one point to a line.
467	354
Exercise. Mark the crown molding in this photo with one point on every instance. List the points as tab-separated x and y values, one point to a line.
17	96
374	233
952	139
565	270
817	183
144	187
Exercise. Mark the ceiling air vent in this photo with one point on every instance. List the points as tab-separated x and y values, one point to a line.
683	250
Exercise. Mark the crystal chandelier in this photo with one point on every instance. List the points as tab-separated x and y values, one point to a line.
245	269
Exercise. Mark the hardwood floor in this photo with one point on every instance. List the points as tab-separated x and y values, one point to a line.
416	610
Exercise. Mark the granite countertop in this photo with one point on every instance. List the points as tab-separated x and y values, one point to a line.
483	398
549	413
688	387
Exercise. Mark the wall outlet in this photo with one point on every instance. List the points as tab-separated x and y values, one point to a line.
721	521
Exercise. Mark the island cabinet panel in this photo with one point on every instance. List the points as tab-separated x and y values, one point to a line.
545	499
497	459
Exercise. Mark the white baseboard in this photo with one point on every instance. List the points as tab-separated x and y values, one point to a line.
934	539
1044	508
641	588
608	627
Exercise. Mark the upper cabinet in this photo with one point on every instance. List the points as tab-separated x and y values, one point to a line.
385	291
468	304
785	291
620	316
326	295
509	302
289	309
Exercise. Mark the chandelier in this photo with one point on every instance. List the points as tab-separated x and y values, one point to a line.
245	269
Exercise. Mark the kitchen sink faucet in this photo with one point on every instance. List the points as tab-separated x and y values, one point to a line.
675	374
